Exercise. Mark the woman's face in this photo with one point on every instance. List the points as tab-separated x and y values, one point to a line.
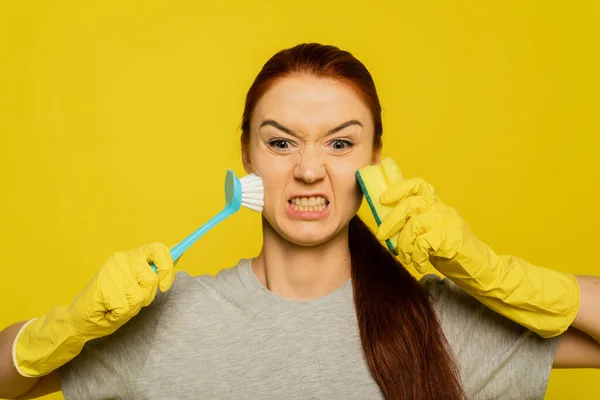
308	137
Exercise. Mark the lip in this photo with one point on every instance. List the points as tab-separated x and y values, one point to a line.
308	215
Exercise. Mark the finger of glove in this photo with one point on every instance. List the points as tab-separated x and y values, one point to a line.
398	217
159	255
416	226
424	246
406	188
119	292
146	279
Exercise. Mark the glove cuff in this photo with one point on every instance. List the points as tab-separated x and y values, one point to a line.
44	344
571	310
14	350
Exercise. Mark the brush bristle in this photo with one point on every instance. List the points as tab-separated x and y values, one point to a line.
252	192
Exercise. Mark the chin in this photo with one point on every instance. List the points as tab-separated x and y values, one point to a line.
309	236
308	240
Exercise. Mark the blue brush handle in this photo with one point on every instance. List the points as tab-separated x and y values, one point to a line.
185	244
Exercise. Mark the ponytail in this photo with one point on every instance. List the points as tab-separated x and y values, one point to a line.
401	336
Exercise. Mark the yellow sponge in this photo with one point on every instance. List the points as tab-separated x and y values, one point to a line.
374	180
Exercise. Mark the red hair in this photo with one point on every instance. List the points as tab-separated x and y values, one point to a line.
401	336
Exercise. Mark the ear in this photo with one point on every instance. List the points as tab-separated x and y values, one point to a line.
246	161
376	156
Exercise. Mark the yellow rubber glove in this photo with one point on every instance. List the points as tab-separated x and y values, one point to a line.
431	233
122	286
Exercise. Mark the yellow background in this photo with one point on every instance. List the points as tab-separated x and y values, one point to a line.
119	119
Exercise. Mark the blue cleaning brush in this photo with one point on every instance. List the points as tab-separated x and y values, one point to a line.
247	191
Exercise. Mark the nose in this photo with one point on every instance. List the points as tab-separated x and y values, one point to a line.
310	167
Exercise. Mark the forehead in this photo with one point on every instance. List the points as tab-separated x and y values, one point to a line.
306	102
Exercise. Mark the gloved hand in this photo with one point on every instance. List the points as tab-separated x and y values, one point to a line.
431	233
122	286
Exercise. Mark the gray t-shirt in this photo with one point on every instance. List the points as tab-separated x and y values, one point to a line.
228	337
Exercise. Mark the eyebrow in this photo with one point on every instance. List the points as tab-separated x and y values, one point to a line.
282	128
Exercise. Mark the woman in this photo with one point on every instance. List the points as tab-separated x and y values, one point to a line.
324	311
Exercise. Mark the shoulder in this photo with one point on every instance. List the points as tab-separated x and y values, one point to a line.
437	287
446	295
492	351
192	294
230	278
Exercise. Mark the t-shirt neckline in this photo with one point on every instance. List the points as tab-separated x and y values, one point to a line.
249	279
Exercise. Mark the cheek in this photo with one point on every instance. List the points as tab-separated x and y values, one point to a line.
343	173
345	185
273	184
275	173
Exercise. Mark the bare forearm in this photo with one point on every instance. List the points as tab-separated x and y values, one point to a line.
12	384
588	317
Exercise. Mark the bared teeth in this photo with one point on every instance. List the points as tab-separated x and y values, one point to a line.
309	204
309	201
317	208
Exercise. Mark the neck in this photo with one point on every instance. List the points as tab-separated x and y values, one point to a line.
302	272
